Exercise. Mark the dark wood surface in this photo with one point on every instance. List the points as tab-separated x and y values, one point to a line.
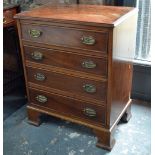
10	38
69	107
67	60
12	64
69	83
61	70
98	14
10	49
69	37
8	13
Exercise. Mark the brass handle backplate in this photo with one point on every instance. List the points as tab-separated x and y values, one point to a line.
41	98
89	88
34	33
89	112
88	64
36	55
39	77
88	40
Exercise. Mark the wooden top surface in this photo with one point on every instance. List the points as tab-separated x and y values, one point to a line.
96	14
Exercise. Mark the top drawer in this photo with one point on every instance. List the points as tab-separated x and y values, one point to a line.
66	37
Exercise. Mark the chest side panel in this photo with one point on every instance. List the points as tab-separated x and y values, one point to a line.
124	41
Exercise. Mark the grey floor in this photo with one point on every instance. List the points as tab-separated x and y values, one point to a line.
58	137
12	101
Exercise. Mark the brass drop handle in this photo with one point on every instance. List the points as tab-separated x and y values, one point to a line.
39	77
37	55
4	20
34	33
89	64
89	112
88	40
89	88
41	98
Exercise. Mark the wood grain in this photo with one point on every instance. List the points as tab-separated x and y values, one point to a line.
67	60
62	88
90	14
8	14
68	83
69	37
69	107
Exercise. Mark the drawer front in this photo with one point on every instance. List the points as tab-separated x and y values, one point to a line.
59	36
97	66
68	106
75	85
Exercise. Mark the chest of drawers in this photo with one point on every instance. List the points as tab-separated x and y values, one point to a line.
78	64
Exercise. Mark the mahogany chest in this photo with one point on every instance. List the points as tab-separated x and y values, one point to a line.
78	64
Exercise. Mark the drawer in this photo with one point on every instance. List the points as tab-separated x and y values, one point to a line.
75	85
60	36
88	64
68	106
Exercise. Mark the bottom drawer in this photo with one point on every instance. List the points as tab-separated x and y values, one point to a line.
68	107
